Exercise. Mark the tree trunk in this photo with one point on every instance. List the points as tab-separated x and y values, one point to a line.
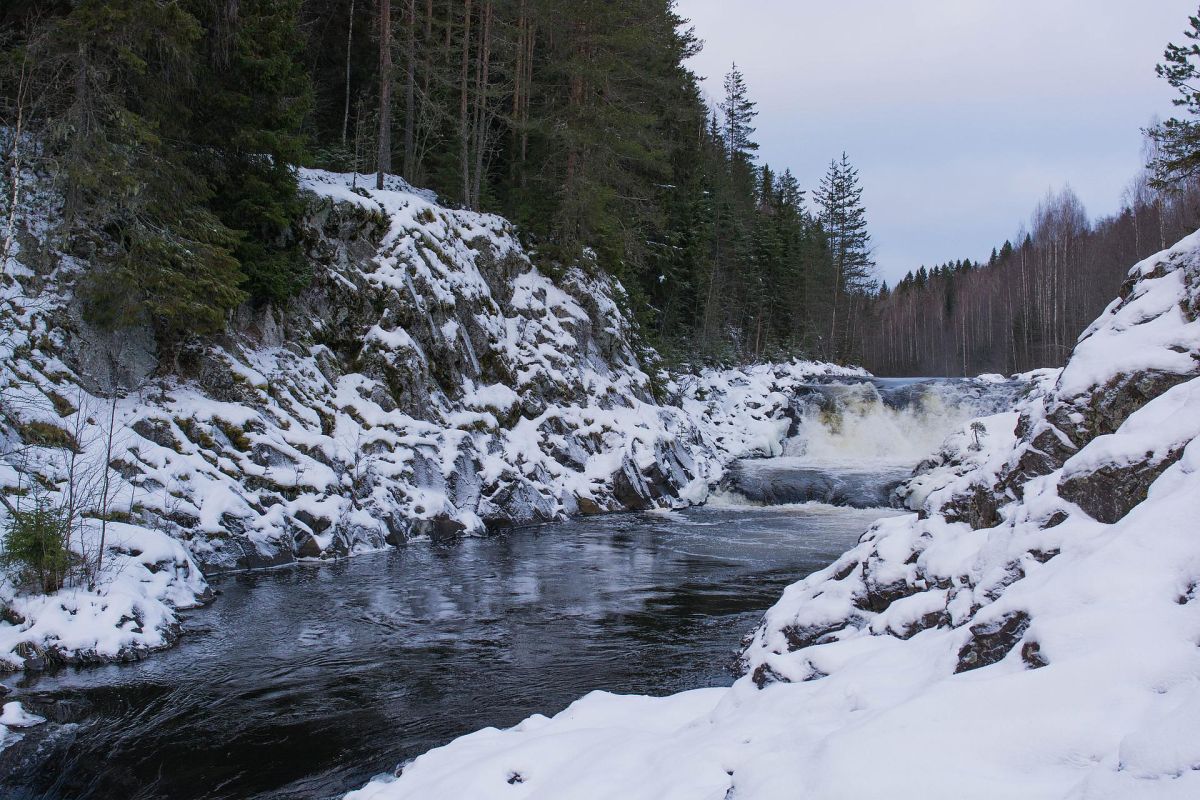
385	91
481	103
225	32
464	122
410	88
349	50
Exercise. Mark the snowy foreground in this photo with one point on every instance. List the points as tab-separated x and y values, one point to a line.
1032	633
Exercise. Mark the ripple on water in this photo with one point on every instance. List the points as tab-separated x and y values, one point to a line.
304	683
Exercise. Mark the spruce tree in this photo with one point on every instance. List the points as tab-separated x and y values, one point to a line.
251	96
844	218
125	164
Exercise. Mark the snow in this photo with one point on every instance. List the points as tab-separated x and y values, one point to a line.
1147	331
13	715
148	577
858	681
279	447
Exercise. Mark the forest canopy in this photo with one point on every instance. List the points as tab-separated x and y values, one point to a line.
173	127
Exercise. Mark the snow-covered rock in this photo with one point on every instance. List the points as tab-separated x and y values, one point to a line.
429	382
1031	632
14	717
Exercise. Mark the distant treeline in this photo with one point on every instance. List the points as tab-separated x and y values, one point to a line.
1025	307
171	128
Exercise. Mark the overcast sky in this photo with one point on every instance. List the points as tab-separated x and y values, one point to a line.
959	114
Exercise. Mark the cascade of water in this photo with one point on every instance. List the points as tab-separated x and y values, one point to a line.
852	442
886	422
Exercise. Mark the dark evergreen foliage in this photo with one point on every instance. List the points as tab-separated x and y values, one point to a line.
176	128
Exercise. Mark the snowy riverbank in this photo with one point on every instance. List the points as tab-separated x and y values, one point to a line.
1031	633
430	383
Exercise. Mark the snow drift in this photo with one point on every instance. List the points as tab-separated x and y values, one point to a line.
1029	632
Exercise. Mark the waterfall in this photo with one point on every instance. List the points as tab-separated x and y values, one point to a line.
851	442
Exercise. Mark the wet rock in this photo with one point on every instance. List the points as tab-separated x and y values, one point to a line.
978	507
587	506
1013	572
799	637
877	597
990	642
307	547
442	528
845	571
33	656
1054	520
764	676
234	524
158	431
1031	654
934	619
317	525
1109	493
630	489
1042	556
238	552
11	616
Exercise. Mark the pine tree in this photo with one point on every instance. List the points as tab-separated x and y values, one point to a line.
844	218
1178	140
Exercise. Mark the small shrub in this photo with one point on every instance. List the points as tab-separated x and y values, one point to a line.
62	405
235	434
977	428
35	544
48	435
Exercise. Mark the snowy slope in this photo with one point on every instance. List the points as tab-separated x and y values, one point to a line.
1030	633
430	382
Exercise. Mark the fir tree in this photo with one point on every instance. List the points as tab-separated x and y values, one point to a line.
844	219
739	113
127	171
252	95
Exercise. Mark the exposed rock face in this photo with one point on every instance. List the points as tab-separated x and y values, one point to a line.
1110	491
991	641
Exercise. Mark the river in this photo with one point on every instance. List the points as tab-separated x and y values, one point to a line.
307	681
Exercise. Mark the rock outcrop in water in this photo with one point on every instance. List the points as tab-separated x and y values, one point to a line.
1031	632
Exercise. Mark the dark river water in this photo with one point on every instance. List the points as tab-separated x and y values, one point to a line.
306	682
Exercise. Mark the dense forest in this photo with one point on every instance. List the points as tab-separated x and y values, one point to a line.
172	129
